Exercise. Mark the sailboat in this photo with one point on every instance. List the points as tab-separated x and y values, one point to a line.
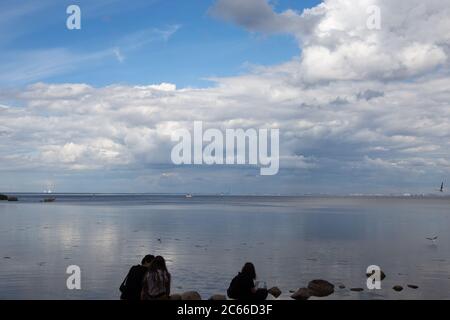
188	195
442	187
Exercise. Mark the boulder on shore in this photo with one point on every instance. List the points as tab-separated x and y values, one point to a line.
3	197
397	288
413	286
320	288
219	297
275	291
13	199
175	296
191	295
301	294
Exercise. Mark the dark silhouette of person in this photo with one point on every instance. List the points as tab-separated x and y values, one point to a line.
242	287
131	287
157	281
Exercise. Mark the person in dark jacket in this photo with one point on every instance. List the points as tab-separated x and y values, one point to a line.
132	285
242	286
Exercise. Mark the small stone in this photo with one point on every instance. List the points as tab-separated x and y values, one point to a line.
341	286
191	295
275	291
413	286
175	296
320	288
219	297
301	294
397	288
357	289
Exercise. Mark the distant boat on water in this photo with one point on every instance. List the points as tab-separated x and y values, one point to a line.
188	195
441	189
46	200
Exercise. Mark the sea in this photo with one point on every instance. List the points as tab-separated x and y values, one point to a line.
207	239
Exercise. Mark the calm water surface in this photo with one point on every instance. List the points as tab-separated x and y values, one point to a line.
206	240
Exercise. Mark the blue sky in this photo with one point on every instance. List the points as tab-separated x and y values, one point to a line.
359	109
197	45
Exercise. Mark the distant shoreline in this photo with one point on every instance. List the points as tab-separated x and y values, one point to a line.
356	196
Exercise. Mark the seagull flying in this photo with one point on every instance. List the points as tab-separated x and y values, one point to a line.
433	239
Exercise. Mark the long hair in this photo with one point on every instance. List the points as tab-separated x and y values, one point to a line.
158	264
147	259
249	270
158	273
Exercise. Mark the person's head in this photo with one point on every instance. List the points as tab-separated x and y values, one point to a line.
158	264
249	270
147	260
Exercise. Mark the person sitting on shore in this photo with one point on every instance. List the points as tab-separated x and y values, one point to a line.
242	286
156	284
131	287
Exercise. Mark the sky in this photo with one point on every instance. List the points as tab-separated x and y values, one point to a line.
359	109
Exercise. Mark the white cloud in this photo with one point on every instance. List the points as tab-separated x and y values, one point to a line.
259	16
357	101
120	57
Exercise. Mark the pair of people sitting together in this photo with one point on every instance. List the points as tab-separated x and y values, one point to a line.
151	281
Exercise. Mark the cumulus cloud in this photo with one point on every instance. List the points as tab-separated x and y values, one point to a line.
342	47
80	127
259	16
359	103
337	43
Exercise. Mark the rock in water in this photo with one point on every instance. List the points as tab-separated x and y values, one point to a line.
382	275
413	286
357	289
3	197
191	295
13	199
341	286
320	288
301	294
397	288
219	297
175	296
275	291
